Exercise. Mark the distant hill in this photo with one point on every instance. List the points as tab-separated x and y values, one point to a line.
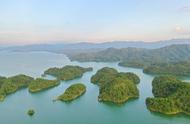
172	53
173	59
162	57
74	48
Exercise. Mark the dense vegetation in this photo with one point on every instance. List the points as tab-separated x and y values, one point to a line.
173	68
172	96
179	68
67	72
103	76
116	87
73	92
40	84
12	84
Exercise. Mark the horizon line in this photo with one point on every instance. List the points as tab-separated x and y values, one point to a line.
89	42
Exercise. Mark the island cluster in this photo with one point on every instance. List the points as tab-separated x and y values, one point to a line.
171	95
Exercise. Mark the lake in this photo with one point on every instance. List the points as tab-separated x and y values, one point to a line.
86	109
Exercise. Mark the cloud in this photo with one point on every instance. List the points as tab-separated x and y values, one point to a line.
181	30
185	8
178	29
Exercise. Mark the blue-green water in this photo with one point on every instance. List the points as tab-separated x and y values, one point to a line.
86	109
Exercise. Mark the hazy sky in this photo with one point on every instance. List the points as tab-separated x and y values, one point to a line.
41	21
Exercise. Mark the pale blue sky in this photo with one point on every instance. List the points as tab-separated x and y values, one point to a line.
42	21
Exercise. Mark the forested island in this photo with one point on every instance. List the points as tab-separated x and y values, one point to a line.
10	85
133	64
31	112
72	92
172	96
40	84
115	87
68	72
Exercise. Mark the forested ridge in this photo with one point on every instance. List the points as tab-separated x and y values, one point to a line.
171	96
174	59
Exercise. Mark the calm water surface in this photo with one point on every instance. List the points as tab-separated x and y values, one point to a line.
86	109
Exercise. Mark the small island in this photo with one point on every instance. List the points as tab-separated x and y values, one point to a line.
172	96
133	64
115	87
73	92
67	72
40	84
12	84
30	112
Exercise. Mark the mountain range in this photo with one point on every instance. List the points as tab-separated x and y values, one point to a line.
75	48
